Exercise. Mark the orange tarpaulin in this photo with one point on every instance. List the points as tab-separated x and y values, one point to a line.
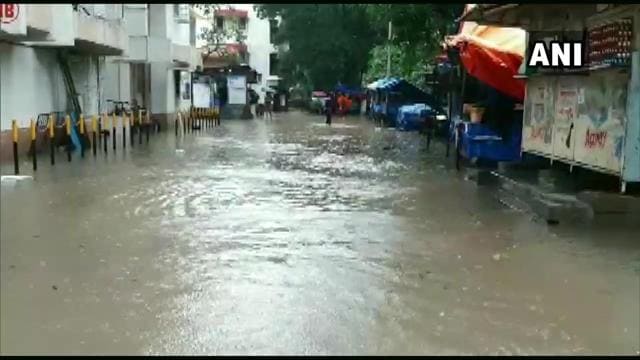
492	55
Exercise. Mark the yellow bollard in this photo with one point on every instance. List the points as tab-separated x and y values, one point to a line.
32	126
125	122
51	126
52	133
81	135
94	129
114	123
14	128
105	131
67	124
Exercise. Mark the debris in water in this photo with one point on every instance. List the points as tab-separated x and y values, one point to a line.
43	263
11	267
496	257
54	287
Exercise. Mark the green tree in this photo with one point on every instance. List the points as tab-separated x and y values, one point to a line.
216	38
331	43
327	43
418	30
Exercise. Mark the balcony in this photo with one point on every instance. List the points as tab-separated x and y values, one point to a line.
99	36
39	23
181	55
182	13
185	56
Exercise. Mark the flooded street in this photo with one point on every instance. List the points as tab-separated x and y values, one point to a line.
291	237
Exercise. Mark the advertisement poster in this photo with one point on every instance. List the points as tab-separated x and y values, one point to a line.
201	95
237	90
566	109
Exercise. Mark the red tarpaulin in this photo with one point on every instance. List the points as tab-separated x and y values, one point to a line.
492	55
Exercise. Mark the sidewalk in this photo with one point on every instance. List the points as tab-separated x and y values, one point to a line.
557	196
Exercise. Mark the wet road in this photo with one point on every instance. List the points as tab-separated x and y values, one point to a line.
288	237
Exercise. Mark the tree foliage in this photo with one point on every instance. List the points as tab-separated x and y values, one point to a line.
327	43
331	43
216	38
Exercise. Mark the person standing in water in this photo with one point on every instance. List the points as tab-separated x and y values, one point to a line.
268	101
328	108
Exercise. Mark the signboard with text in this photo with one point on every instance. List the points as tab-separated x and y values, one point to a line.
13	18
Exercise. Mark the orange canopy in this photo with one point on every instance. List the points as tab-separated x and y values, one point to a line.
492	54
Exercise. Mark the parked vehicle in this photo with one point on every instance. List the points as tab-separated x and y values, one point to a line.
318	99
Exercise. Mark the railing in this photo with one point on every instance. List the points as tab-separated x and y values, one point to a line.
112	13
90	133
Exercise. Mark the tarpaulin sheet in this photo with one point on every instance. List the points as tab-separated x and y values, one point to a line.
492	55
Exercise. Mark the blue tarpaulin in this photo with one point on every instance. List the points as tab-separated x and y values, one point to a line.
409	92
412	117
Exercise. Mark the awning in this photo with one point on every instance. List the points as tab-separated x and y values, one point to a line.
492	55
384	84
409	92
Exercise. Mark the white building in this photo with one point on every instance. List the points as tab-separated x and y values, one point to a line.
162	54
31	77
111	51
260	53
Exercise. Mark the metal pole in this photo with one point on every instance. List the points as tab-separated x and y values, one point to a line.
389	51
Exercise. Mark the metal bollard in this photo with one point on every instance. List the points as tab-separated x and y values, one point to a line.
140	127
33	144
67	125
14	128
132	127
104	134
125	123
114	123
81	135
100	123
94	128
175	123
52	139
184	122
148	127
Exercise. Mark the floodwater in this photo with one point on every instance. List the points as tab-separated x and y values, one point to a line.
291	237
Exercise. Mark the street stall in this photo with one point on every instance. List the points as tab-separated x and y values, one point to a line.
388	94
485	102
588	117
355	95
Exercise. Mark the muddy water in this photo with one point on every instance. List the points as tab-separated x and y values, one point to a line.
288	237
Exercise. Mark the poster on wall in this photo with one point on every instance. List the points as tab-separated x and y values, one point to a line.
201	95
237	89
185	82
566	110
537	130
565	118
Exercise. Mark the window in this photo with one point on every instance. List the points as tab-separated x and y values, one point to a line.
273	64
243	23
219	22
273	30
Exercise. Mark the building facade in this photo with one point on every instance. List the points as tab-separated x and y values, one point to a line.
256	50
99	52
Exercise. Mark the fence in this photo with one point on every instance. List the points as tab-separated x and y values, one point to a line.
60	130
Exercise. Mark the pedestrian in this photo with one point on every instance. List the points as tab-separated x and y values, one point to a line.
328	109
268	103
